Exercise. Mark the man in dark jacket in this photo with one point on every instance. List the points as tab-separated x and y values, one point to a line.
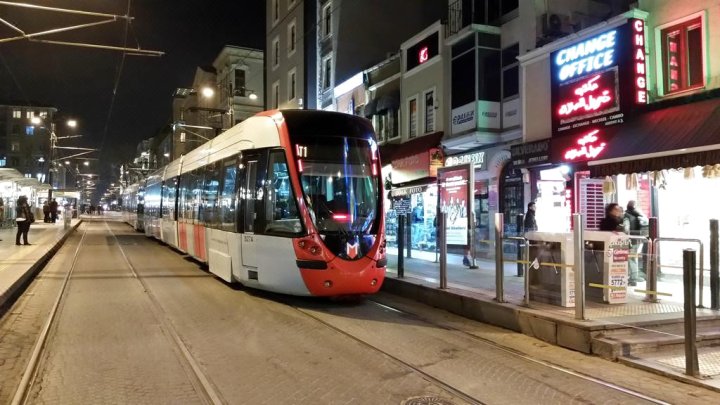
633	226
529	224
613	220
53	210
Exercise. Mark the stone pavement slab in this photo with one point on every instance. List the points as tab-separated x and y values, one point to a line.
19	263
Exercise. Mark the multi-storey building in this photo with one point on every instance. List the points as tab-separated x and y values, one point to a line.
239	81
25	145
312	45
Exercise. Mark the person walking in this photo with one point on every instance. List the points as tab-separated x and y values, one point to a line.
24	217
529	224
53	210
613	220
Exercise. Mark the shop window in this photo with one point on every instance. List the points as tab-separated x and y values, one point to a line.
327	20
682	56
292	32
3	162
30	130
412	117
281	213
239	83
17	114
429	111
276	52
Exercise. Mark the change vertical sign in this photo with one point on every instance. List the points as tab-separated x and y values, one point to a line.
456	200
638	29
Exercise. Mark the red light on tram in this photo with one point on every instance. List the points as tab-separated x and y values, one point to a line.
341	217
374	169
300	166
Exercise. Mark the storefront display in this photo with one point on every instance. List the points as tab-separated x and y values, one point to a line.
456	202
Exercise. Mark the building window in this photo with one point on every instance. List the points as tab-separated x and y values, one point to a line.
510	71
17	114
28	114
327	20
239	83
276	94
276	11
429	111
412	117
291	85
30	130
15	147
682	56
43	114
3	162
276	52
327	72
292	33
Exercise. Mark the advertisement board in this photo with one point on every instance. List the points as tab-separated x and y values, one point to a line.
456	201
463	118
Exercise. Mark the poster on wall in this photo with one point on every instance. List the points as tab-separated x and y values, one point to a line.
456	201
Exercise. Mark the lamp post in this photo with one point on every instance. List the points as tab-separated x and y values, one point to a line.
71	123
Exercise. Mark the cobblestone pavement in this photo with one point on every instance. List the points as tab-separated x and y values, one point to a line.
108	345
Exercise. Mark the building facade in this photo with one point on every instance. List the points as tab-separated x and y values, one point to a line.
25	145
239	81
626	110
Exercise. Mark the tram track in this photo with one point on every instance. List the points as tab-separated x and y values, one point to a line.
456	391
201	383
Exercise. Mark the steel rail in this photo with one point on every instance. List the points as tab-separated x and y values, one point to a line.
206	387
521	355
31	369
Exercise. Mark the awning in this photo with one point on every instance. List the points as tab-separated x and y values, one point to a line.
684	135
420	144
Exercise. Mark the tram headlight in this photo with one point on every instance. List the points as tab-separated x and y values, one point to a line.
373	282
315	250
302	244
327	283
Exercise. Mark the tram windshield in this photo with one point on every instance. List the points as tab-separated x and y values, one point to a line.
340	184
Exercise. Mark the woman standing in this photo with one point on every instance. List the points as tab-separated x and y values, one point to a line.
24	218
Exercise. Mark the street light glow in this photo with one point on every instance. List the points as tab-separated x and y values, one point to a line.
35	120
67	162
252	96
72	123
208	92
86	163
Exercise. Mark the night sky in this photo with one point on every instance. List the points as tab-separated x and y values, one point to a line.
80	81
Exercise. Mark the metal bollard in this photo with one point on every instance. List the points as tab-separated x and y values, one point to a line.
519	219
692	366
443	249
714	266
400	237
408	241
499	262
579	268
651	275
527	272
473	265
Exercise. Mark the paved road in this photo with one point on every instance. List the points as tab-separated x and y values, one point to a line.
175	334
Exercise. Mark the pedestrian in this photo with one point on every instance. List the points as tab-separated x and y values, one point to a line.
53	210
46	212
529	224
634	222
613	220
23	218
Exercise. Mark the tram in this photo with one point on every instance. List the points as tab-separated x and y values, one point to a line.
288	201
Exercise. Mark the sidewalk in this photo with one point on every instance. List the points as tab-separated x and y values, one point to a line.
18	264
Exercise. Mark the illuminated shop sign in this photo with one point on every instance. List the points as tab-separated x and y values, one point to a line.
588	147
639	59
598	80
422	51
586	57
476	158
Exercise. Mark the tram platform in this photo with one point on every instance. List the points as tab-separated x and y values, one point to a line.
642	334
19	264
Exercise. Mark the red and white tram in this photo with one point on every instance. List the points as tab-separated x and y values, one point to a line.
286	201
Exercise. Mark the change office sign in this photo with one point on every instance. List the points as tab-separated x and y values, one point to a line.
598	80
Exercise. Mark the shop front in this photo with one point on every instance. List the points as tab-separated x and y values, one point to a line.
413	196
498	187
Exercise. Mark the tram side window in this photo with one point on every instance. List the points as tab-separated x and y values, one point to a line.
210	195
168	198
152	200
281	212
227	197
197	191
188	192
182	196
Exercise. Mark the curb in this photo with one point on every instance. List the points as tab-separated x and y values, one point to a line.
17	288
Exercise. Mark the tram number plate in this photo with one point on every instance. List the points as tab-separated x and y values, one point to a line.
248	238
